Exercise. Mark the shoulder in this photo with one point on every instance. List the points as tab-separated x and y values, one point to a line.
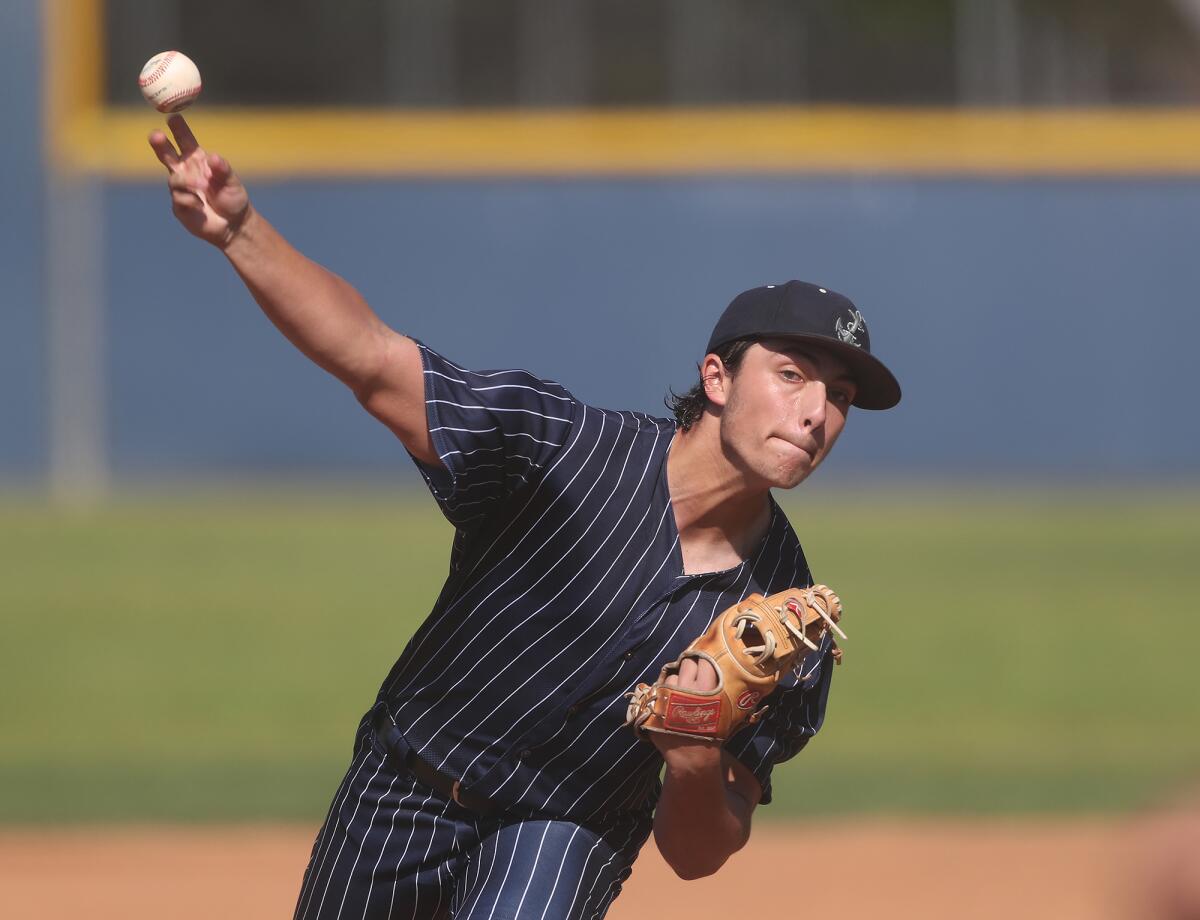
630	420
516	385
640	432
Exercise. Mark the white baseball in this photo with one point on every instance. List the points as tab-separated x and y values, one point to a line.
170	81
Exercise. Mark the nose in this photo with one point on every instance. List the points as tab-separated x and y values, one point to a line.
812	404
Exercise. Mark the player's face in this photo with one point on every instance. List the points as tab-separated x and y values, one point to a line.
783	410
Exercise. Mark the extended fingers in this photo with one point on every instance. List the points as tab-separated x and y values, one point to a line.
164	150
183	135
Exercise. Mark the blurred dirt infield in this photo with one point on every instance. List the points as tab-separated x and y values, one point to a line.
1067	870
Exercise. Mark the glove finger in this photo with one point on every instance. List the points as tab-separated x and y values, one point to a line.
687	672
706	675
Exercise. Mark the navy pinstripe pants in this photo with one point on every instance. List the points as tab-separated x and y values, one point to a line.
393	848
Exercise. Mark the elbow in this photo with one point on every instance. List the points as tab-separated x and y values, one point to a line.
691	873
691	861
694	865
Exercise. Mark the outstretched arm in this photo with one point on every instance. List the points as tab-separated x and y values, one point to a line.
708	797
319	312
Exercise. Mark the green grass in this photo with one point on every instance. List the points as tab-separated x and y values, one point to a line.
208	657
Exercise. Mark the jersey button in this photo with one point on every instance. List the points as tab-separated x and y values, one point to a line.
628	655
572	710
524	755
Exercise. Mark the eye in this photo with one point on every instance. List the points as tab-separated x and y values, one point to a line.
841	397
790	375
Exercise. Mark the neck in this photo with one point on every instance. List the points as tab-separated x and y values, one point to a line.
714	502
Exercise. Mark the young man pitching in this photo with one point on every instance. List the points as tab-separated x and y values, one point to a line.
495	775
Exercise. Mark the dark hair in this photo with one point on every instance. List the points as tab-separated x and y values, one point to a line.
689	406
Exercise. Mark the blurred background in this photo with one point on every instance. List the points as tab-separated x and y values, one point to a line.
210	556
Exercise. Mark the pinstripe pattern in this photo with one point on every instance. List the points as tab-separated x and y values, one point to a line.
566	588
393	848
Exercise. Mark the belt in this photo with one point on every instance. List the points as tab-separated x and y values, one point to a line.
449	787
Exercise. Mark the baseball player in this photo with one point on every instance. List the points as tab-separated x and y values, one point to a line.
495	775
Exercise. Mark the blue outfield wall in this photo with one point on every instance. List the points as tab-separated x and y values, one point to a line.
1038	326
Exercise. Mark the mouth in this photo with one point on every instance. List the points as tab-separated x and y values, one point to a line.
809	450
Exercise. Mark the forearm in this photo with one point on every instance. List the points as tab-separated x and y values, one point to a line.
320	313
701	818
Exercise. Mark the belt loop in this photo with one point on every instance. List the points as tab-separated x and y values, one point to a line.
391	737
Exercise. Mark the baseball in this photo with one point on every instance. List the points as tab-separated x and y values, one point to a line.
170	81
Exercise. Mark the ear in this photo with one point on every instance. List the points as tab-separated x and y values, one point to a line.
716	379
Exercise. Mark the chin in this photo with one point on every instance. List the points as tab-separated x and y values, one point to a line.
789	475
791	482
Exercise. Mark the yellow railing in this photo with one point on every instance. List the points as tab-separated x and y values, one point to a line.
84	135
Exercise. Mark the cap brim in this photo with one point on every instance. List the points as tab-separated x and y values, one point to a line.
877	387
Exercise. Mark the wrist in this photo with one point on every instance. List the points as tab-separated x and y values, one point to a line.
691	758
240	231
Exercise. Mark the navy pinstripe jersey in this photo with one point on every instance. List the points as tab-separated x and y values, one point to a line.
566	588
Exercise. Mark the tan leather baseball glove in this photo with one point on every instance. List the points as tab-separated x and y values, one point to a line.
750	646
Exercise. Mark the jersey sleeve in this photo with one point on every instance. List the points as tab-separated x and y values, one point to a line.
794	716
495	431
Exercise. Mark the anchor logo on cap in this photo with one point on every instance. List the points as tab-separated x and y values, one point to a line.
848	333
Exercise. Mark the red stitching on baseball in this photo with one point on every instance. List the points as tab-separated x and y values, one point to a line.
182	94
195	91
168	57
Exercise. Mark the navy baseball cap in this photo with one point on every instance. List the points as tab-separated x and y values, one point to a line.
799	310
